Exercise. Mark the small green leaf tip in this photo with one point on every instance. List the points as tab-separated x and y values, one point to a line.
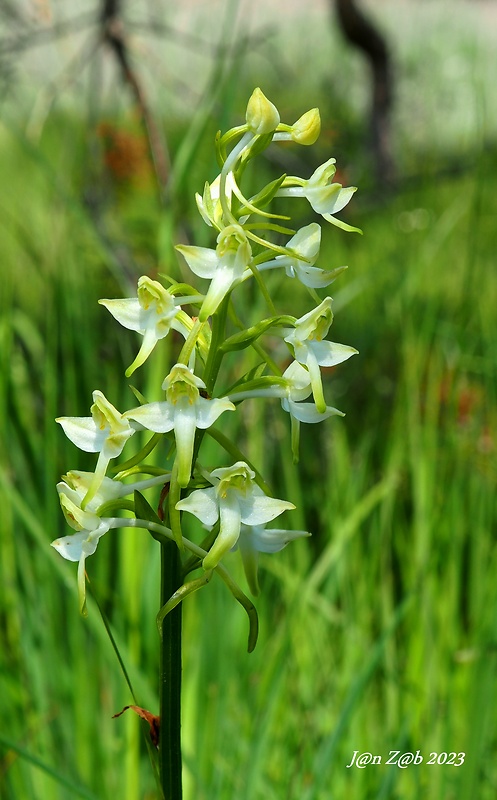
262	116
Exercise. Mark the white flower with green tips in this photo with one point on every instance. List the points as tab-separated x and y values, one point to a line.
306	340
89	526
105	432
224	266
255	539
293	387
183	411
153	313
305	246
326	198
234	499
299	383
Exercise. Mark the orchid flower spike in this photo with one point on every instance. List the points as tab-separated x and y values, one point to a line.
105	432
183	411
153	313
234	499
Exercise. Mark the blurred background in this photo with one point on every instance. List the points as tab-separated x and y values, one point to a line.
380	632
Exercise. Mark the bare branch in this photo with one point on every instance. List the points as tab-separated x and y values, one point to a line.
361	33
114	37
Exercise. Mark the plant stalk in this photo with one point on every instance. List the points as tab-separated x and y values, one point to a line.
170	677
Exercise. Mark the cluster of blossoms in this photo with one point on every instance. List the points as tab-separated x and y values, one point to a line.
232	502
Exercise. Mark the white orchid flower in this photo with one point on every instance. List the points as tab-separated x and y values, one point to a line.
89	526
299	388
305	244
183	411
105	432
234	499
78	483
326	198
255	539
293	387
224	265
153	313
309	349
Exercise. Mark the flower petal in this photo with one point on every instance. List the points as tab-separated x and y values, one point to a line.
128	312
202	260
273	540
255	510
328	354
202	503
185	425
307	412
208	411
71	547
83	432
157	417
315	278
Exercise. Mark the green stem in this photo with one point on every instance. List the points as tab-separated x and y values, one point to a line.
170	763
191	341
218	336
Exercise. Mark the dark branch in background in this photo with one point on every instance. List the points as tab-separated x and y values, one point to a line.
114	37
361	33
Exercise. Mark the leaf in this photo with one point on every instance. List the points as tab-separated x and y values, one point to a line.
252	374
143	509
241	340
264	197
180	594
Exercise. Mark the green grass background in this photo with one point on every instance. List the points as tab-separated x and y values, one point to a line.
380	632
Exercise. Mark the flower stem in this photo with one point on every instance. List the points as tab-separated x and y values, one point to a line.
170	677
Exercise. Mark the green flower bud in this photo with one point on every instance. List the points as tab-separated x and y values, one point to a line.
262	116
307	128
